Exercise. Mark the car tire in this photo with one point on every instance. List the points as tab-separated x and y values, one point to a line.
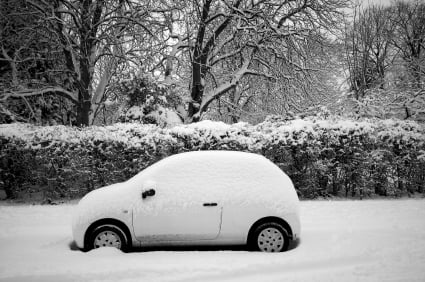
108	236
269	237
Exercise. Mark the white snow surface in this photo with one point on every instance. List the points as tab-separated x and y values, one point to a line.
373	240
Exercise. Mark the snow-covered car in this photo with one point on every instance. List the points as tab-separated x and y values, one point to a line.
194	198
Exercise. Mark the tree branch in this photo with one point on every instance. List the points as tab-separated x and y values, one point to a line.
21	93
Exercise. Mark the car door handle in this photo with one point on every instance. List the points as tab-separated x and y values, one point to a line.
210	204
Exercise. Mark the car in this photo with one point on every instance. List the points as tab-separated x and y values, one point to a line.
193	198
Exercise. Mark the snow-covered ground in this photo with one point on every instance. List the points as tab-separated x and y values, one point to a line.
373	240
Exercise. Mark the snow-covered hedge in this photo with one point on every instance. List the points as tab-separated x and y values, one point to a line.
323	156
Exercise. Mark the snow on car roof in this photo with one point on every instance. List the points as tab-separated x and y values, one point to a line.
239	178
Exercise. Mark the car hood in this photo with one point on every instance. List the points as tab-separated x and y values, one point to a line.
105	202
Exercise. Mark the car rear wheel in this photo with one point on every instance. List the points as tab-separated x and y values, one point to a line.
108	236
270	237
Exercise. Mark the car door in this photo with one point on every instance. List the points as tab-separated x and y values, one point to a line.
181	209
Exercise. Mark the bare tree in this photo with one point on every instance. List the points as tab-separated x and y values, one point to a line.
92	39
409	19
368	47
229	41
385	58
256	97
207	48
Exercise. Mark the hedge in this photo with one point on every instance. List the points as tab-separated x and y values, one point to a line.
324	157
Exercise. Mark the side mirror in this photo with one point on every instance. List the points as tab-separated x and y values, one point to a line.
148	189
148	193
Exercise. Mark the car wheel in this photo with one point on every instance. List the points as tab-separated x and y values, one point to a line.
270	237
108	236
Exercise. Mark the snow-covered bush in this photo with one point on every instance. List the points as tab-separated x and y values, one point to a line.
323	156
148	102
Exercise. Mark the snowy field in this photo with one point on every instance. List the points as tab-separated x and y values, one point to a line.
370	240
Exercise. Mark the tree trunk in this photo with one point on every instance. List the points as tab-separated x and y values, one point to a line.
416	73
84	108
198	73
197	91
83	114
194	114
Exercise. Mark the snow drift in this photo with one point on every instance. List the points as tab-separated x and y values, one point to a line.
342	241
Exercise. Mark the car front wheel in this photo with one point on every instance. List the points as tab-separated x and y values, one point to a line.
270	237
108	236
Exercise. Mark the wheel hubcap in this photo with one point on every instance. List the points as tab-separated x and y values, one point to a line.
107	239
270	240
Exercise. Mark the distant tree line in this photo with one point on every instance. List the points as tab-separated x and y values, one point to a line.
83	62
385	55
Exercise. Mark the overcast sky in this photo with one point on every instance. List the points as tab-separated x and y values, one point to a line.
383	2
365	3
